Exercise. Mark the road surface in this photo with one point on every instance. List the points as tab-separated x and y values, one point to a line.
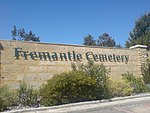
131	104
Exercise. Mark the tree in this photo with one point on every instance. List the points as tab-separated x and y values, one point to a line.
89	40
140	33
118	46
106	40
23	36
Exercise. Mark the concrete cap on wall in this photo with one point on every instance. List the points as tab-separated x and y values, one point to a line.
139	46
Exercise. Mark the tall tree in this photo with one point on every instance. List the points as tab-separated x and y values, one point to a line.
118	46
89	40
141	32
23	36
106	40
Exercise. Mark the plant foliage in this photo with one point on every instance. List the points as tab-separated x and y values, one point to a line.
135	82
146	71
100	74
7	98
27	96
21	35
69	87
106	40
141	32
120	88
103	40
89	40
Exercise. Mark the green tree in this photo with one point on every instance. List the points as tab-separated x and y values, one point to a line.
106	40
89	40
141	32
23	36
118	46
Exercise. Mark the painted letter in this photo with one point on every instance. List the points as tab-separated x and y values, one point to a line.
89	56
33	55
18	53
79	57
44	55
63	56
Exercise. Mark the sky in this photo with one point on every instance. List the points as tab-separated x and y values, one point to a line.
69	21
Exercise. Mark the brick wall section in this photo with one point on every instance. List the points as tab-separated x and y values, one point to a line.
37	72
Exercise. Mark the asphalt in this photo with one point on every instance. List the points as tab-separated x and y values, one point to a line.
93	106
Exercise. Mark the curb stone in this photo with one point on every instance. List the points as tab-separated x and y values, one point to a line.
77	104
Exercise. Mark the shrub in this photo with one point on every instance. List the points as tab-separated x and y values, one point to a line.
135	82
27	96
1	104
74	86
120	88
100	74
146	72
7	98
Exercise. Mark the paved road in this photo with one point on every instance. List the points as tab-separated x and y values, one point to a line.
135	104
142	106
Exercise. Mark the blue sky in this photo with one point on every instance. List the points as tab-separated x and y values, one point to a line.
69	21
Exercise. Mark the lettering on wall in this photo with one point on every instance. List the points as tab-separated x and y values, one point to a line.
69	56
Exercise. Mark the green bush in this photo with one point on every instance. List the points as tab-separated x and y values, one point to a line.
7	98
24	96
120	88
100	74
74	86
135	82
146	72
27	96
1	104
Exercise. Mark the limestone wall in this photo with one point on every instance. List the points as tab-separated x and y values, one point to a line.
37	62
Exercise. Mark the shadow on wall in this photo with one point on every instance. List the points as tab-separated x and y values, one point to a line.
1	47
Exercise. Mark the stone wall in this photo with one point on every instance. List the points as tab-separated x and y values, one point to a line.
35	63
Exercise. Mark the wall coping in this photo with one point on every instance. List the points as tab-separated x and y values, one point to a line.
139	46
61	44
